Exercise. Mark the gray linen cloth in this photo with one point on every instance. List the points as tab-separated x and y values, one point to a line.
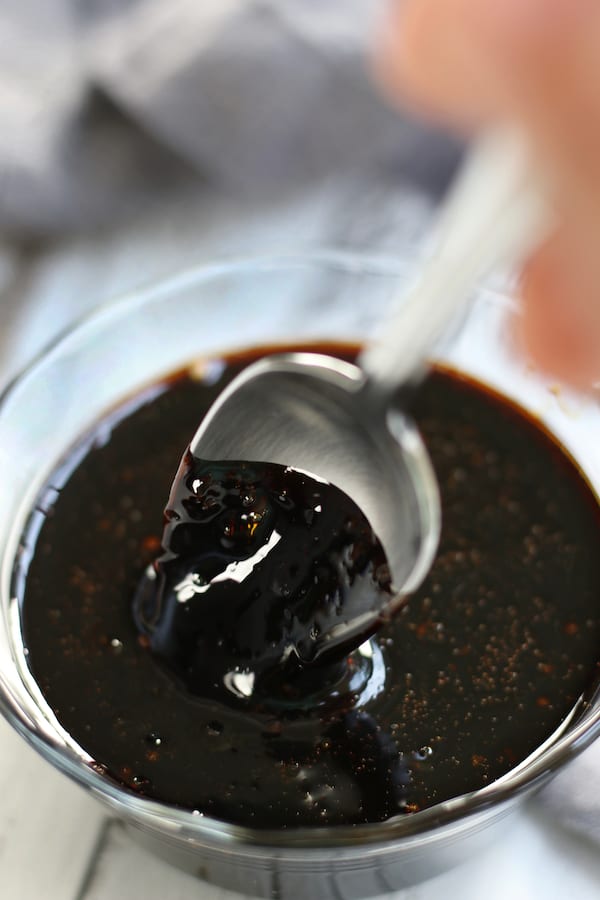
108	105
109	109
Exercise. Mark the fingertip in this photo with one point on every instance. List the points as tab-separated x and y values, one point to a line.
436	56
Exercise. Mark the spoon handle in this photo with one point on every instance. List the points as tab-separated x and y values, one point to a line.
494	214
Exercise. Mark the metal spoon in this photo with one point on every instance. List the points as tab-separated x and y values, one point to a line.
338	421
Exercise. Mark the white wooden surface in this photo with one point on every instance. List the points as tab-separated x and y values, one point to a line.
41	811
530	863
55	842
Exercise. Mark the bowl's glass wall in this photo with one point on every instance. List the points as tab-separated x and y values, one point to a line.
129	344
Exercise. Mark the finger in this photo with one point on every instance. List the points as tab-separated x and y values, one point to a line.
466	61
560	321
560	106
429	55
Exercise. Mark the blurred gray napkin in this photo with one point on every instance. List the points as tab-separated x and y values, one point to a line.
106	106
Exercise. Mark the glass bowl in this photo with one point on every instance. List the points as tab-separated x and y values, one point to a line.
328	297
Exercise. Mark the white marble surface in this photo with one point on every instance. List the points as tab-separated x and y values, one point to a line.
55	842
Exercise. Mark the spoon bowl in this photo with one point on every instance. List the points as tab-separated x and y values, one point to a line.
317	413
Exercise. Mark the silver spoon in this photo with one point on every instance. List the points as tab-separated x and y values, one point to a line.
338	421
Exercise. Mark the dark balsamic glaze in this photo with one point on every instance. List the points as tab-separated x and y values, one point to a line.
260	561
474	673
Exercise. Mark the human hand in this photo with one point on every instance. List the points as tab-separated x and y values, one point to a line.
469	63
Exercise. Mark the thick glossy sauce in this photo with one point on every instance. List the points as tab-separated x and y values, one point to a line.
263	565
475	672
